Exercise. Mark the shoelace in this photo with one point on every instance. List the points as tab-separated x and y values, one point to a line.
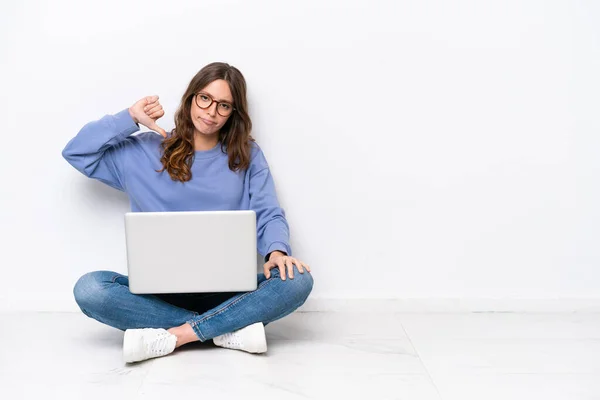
232	339
158	345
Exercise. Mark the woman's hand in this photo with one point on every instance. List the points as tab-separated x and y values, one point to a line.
146	111
282	261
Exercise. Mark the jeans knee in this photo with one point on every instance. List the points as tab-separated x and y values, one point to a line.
301	285
88	288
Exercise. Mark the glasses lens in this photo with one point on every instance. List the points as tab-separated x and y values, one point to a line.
203	100
224	109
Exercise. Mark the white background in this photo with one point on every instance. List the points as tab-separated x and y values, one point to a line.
421	149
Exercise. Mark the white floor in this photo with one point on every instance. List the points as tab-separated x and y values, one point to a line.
317	355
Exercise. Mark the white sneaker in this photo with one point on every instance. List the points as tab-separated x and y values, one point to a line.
141	344
251	338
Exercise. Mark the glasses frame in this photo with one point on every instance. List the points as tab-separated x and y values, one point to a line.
211	103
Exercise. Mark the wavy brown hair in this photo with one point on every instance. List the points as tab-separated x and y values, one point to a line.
178	147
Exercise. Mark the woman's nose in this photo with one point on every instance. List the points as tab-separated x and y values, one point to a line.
212	110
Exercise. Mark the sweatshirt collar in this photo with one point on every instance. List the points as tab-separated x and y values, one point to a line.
209	153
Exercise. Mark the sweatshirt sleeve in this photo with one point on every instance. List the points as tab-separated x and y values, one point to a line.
272	227
97	151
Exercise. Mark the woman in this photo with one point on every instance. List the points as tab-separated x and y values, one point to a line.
208	162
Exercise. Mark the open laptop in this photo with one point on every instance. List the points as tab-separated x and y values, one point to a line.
191	251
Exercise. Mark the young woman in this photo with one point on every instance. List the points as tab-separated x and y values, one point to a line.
209	161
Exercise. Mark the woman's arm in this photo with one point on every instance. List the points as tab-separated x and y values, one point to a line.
97	149
273	233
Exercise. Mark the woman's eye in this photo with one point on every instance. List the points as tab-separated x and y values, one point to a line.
203	97
225	106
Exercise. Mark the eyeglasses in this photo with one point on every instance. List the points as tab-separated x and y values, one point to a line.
204	100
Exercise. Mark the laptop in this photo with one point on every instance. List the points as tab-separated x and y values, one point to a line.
191	251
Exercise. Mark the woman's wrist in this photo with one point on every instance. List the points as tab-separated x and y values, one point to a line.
132	117
276	252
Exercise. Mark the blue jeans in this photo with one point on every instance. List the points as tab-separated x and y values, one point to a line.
105	297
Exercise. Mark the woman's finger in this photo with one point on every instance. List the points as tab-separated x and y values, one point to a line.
149	109
290	267
299	266
157	114
281	266
152	109
151	99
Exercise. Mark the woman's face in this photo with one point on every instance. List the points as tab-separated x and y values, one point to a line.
208	121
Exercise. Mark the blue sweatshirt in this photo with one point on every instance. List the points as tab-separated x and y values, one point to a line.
106	151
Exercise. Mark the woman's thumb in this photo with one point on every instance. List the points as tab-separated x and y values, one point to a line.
158	129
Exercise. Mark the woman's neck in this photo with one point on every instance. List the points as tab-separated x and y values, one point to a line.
203	142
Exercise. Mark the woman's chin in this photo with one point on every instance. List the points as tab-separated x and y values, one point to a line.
204	132
201	129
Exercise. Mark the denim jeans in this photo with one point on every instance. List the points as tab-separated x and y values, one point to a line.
105	297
